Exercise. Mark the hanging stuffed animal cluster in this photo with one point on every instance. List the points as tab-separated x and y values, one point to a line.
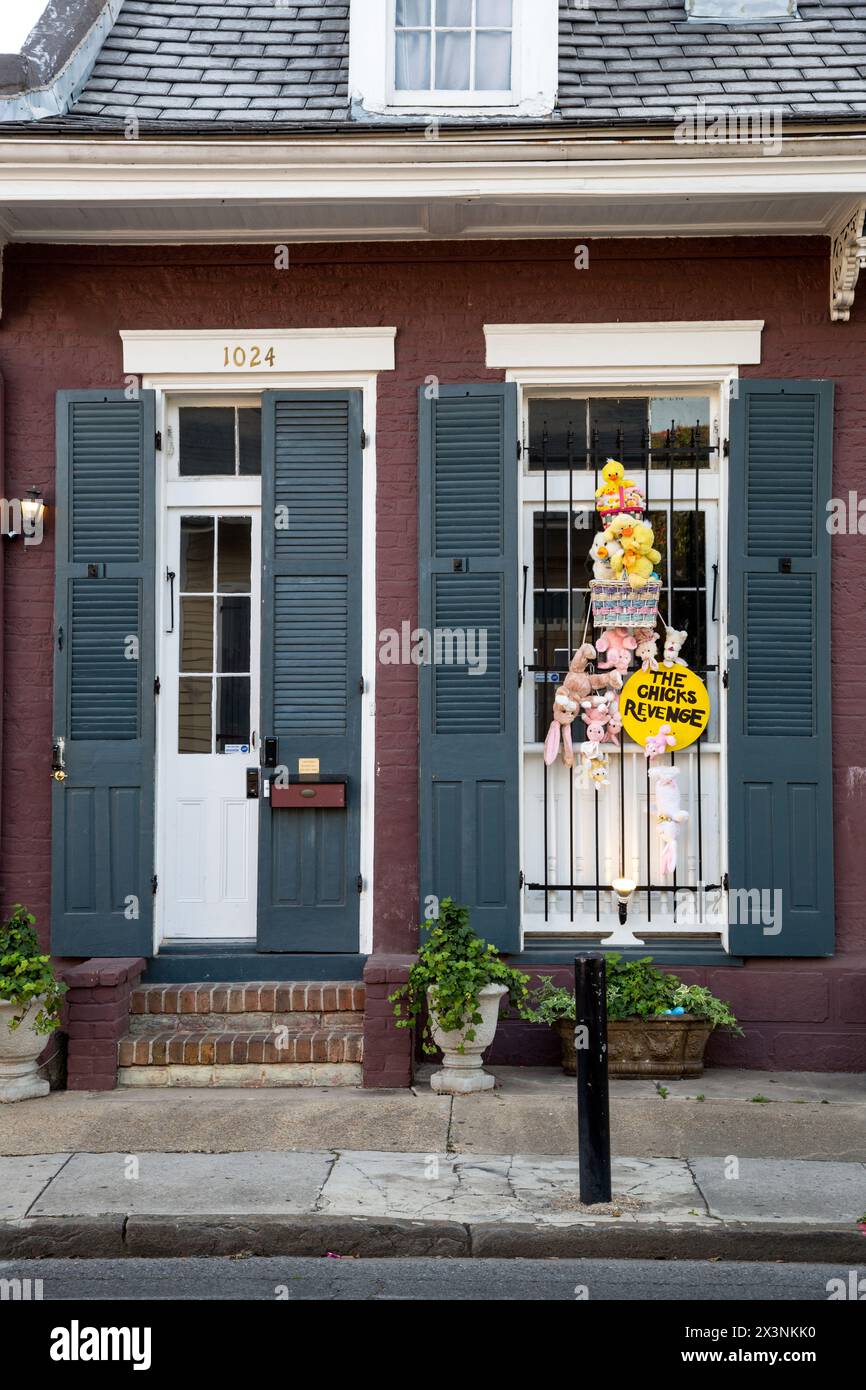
625	548
623	551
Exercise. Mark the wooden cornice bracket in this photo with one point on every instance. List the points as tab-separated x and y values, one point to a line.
847	259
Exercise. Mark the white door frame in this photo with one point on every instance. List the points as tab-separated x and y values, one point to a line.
169	386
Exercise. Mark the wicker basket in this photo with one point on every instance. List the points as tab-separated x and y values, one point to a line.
616	604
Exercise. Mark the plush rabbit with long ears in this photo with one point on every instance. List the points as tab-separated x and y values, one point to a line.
579	684
673	642
564	714
669	814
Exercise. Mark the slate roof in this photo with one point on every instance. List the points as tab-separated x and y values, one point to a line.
619	59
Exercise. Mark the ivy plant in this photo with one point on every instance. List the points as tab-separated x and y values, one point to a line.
26	974
635	989
454	964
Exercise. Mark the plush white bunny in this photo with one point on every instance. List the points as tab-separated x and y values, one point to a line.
669	814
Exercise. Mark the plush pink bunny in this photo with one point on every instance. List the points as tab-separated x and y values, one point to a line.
595	717
659	743
564	715
619	644
614	726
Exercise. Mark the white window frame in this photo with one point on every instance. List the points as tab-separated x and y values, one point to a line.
534	66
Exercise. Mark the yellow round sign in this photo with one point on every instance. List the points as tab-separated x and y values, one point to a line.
671	695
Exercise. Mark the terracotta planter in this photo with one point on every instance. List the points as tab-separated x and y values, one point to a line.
19	1054
651	1047
462	1071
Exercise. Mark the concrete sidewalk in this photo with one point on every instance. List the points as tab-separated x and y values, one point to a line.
435	1204
533	1110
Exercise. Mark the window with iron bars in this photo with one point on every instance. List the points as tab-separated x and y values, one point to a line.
577	840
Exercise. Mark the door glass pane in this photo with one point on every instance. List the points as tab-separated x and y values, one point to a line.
234	556
196	634
555	426
233	711
492	61
454	12
618	429
412	67
233	637
557	627
194	715
250	442
680	428
196	554
410	12
493	13
207	440
452	61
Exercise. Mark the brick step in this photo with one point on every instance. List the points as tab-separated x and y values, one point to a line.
145	1025
275	1047
315	998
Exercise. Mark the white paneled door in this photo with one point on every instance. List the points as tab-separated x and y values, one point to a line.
209	703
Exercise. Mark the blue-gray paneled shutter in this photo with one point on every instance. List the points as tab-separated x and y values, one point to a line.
102	813
312	543
779	758
469	744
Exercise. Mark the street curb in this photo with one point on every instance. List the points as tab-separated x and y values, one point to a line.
152	1237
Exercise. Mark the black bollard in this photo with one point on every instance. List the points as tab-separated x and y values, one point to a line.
593	1110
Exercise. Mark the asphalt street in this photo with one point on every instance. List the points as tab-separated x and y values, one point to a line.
427	1280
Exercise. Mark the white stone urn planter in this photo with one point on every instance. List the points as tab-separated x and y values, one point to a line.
462	1072
19	1053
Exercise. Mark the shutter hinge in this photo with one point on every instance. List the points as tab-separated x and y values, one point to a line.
156	686
363	439
726	449
359	883
519	677
362	685
724	680
519	451
725	882
157	440
520	880
154	884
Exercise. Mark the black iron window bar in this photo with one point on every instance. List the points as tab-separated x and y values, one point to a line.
673	458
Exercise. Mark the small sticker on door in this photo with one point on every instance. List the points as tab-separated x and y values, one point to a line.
308	766
237	748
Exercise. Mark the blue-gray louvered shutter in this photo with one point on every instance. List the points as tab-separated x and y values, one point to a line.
102	814
469	744
780	761
309	860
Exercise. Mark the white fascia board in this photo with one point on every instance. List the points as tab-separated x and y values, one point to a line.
410	167
371	75
572	346
229	352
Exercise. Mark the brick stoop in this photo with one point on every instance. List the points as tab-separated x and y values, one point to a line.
260	1034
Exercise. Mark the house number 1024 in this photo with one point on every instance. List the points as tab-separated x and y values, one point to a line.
250	357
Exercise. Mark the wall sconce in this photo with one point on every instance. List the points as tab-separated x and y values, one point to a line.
31	510
622	935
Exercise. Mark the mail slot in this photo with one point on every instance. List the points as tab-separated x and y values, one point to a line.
302	796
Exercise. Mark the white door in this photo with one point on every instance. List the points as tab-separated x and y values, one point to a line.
209	705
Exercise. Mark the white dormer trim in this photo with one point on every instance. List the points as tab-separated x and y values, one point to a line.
535	67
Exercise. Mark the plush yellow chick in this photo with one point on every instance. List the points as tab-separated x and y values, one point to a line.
612	473
621	528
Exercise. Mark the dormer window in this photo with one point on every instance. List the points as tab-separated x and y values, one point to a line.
453	46
741	11
458	57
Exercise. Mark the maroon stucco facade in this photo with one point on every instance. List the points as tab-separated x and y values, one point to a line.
63	309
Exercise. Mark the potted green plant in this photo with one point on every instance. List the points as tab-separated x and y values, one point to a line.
454	989
30	996
657	1025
